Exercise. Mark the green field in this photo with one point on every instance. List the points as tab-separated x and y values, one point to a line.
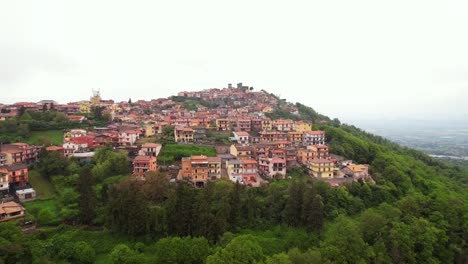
43	187
174	152
54	137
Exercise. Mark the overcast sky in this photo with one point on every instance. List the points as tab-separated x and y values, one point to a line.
347	59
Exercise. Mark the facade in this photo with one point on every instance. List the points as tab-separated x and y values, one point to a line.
241	137
25	195
200	169
17	174
296	137
234	170
314	138
128	137
241	152
4	186
271	136
312	152
150	149
322	168
301	126
283	125
223	124
183	134
144	164
272	167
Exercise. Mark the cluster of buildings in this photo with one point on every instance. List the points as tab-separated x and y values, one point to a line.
262	148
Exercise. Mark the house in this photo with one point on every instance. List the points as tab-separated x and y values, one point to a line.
200	169
58	149
272	167
24	195
150	130
283	125
144	164
73	134
243	125
183	134
249	168
241	152
241	137
301	126
17	174
270	136
322	168
356	171
296	137
266	124
76	118
312	152
150	149
128	137
21	152
10	211
4	186
314	138
234	170
256	125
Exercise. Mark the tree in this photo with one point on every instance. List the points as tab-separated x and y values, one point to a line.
129	100
52	164
242	249
343	243
122	254
87	200
293	209
313	215
83	253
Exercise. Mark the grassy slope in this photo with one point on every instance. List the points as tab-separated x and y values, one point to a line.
43	187
54	136
174	152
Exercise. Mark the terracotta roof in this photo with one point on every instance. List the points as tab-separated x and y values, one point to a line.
10	207
150	145
321	161
319	132
278	160
357	168
17	166
142	158
249	161
241	133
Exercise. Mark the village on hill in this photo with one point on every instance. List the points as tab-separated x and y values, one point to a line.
236	133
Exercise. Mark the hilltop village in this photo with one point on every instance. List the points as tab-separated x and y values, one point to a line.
236	133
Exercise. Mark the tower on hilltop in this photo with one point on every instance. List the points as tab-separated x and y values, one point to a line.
96	99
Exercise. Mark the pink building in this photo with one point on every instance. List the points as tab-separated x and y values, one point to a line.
272	167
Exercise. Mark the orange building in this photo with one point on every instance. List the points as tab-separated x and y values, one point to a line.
200	169
17	174
144	164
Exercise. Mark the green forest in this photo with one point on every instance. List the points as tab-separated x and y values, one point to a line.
415	213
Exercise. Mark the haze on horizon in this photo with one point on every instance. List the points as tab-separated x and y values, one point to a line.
354	60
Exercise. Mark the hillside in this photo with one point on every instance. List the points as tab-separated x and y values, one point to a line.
414	213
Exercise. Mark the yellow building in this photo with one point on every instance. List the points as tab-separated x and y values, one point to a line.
301	126
266	124
85	107
149	130
183	134
322	168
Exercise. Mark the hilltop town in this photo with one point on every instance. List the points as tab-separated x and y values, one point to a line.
252	137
